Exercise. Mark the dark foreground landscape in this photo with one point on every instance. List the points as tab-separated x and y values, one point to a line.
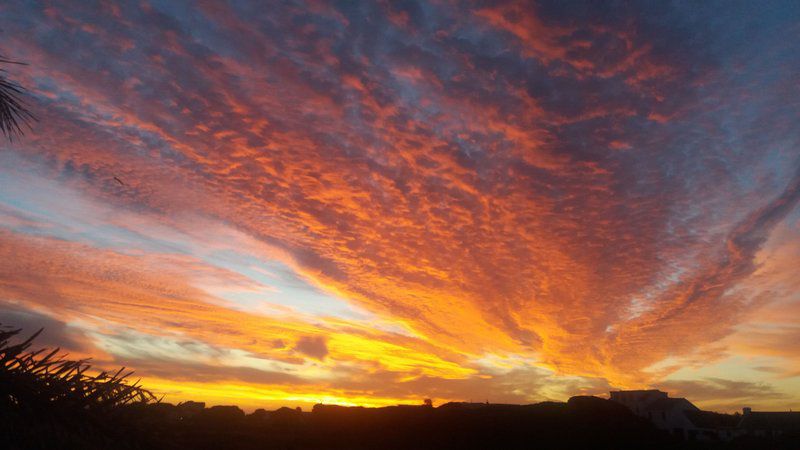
582	422
47	402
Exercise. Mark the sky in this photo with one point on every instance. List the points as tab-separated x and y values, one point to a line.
372	203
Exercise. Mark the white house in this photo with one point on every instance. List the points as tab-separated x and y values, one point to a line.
676	415
680	417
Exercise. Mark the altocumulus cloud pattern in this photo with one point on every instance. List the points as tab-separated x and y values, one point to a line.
371	202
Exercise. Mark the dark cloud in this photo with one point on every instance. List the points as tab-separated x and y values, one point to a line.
205	373
55	333
314	346
720	390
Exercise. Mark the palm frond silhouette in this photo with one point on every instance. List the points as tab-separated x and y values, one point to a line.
14	113
47	398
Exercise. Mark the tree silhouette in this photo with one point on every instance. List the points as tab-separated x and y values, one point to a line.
14	114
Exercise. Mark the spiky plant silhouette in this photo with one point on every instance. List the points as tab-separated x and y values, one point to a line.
14	113
47	398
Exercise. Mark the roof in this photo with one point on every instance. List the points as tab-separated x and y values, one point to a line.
638	391
667	404
784	421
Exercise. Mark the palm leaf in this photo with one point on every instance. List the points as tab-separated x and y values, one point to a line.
14	113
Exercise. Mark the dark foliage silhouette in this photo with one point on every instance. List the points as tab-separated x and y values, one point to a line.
47	400
14	114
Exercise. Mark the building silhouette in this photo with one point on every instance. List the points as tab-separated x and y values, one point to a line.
681	417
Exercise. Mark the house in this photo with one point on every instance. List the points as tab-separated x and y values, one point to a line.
680	417
637	401
710	425
769	424
670	414
676	415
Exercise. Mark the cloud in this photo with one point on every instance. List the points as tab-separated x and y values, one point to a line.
105	288
55	333
314	346
718	388
701	300
726	395
590	190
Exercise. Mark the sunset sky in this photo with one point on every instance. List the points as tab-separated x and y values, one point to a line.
377	202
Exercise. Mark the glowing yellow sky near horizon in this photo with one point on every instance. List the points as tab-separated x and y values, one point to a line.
250	396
